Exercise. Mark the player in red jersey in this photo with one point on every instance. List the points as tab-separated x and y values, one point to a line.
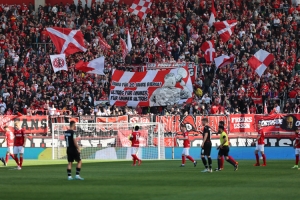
135	143
186	146
260	143
19	144
297	148
9	139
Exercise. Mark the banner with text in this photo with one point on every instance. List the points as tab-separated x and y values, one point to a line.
151	88
37	124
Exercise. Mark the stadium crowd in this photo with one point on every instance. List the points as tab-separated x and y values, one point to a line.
28	84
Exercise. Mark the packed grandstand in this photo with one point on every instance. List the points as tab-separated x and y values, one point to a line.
29	85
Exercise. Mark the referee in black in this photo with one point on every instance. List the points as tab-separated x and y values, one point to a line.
73	152
206	146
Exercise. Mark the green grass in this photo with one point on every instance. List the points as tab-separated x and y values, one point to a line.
155	180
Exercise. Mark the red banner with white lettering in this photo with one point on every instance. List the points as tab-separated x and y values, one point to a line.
37	124
242	123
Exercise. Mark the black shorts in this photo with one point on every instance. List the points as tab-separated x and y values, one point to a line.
73	154
224	151
205	151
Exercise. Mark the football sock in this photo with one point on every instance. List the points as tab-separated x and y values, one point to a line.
231	158
204	162
183	160
21	161
231	161
135	156
209	162
264	159
17	160
6	158
78	171
257	158
190	158
297	159
222	162
69	172
134	160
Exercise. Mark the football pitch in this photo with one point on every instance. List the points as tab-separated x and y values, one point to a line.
152	180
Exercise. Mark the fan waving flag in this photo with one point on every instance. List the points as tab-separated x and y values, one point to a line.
213	14
129	44
95	66
225	29
260	61
140	8
223	60
66	40
58	62
208	48
27	56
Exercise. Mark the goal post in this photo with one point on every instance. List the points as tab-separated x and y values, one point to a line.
110	141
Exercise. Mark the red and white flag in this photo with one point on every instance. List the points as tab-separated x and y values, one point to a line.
140	8
260	61
58	62
66	40
213	14
225	29
27	56
223	60
123	47
103	45
151	88
208	48
95	66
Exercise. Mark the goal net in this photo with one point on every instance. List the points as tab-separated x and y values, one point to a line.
110	140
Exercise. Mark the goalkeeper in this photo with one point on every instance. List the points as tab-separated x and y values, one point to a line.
135	143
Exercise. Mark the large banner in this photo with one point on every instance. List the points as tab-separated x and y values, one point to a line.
172	65
151	88
37	124
242	123
275	123
172	122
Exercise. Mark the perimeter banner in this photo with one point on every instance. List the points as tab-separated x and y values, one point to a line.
37	124
151	88
275	123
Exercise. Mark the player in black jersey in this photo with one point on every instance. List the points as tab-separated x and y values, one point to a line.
206	146
73	151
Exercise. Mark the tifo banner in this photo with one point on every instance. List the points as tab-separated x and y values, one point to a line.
172	65
242	123
172	122
125	142
37	124
151	88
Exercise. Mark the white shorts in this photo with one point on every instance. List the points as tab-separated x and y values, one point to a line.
134	150
10	150
297	151
260	147
186	151
19	149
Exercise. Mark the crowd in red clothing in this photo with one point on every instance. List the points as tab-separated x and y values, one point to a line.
29	84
